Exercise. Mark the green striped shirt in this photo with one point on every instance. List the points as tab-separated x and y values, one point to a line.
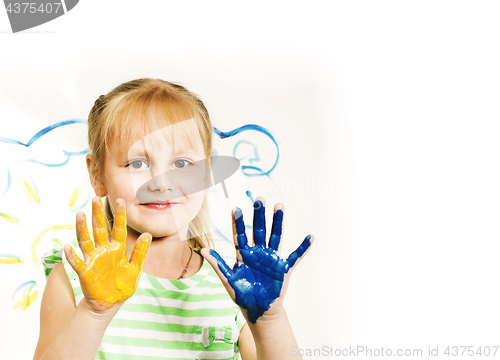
192	318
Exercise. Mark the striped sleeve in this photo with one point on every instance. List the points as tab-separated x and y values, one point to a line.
50	259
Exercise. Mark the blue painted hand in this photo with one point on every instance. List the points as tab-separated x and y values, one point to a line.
259	275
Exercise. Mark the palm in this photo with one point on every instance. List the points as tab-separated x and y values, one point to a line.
107	276
258	281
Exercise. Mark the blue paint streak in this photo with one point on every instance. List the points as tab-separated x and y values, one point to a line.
257	128
255	152
87	201
9	255
249	194
35	138
42	132
258	281
222	235
27	283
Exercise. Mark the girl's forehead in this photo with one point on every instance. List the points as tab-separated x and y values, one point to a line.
177	138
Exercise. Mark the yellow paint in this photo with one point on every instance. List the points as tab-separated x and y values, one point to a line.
10	260
57	242
28	192
36	261
9	219
108	277
76	194
27	299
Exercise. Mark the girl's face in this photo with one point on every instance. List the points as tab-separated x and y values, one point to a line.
163	187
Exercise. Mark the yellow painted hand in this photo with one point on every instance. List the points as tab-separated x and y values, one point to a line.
106	275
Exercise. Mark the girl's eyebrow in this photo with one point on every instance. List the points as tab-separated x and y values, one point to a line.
143	150
137	152
183	151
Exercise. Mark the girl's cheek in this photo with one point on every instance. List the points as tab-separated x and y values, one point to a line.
136	183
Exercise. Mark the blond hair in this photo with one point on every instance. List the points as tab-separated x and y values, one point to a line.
128	110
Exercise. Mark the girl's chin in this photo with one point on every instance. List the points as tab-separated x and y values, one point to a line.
165	235
156	233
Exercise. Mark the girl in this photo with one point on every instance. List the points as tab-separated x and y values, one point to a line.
150	157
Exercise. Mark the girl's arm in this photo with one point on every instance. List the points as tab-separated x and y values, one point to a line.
107	279
68	331
258	284
268	340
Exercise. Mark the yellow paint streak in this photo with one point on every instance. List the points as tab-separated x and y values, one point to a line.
26	301
76	194
28	192
10	260
57	242
36	261
9	219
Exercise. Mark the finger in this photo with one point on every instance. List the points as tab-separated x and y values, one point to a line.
76	263
298	254
99	222
239	230
220	267
235	235
274	240
140	249
259	222
82	233
120	223
218	264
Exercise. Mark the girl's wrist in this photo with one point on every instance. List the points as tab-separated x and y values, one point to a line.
268	321
104	315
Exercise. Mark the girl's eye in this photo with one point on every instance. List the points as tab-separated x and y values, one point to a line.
137	164
180	164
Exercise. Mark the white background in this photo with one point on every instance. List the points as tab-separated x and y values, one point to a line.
394	105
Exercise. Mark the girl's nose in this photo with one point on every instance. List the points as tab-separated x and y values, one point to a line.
158	183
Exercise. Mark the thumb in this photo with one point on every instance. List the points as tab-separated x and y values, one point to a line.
220	267
295	257
140	249
76	263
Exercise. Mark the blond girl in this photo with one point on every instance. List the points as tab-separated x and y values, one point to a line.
150	157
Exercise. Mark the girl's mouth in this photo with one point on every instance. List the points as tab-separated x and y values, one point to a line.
162	206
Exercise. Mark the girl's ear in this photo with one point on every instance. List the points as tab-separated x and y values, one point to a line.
95	178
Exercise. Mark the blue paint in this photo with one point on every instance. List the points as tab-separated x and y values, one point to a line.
257	128
87	201
41	132
259	223
274	240
255	152
27	283
258	281
8	255
249	194
259	171
35	138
